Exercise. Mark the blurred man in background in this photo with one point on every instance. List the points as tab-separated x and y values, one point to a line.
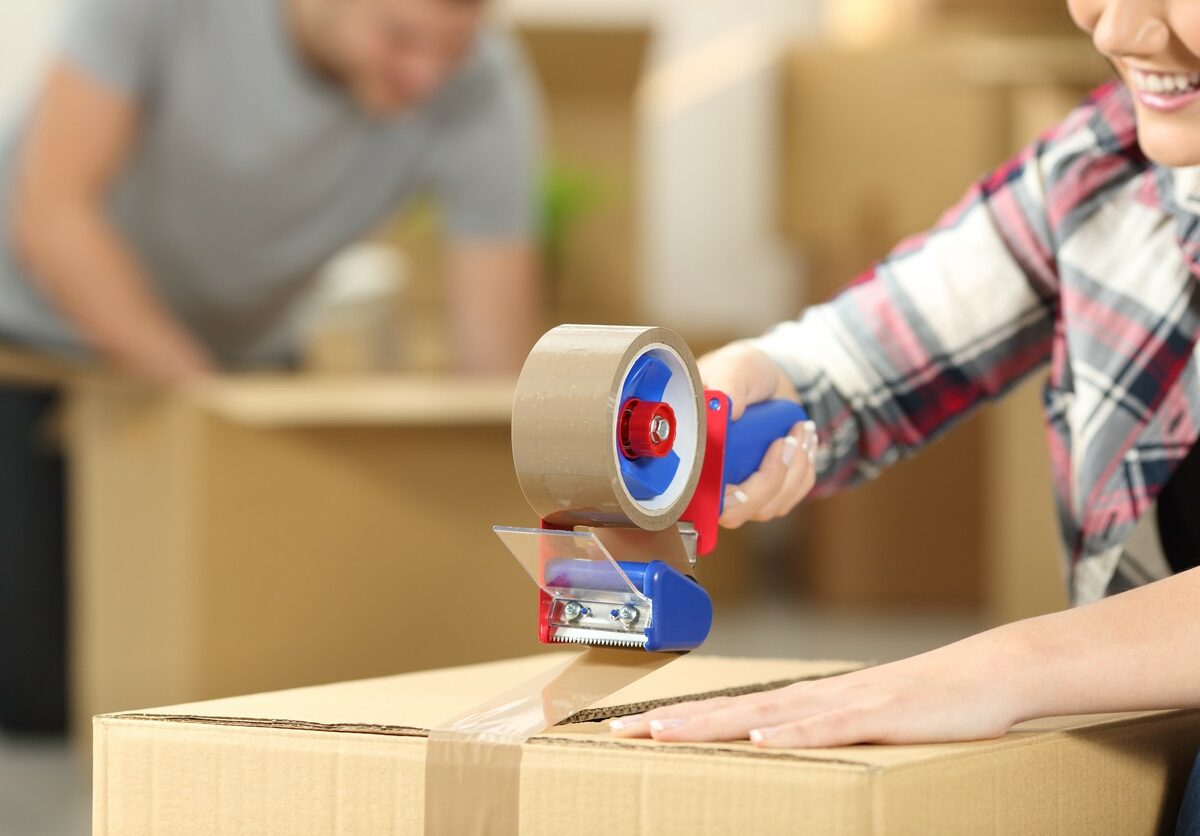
179	177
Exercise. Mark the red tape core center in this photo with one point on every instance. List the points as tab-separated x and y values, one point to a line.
646	429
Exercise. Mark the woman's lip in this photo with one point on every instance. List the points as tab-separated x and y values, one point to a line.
1167	103
1158	70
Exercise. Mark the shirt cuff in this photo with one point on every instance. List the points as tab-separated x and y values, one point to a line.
780	345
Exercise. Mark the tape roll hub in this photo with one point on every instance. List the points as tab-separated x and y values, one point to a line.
566	428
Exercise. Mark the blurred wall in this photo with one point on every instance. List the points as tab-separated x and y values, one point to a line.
711	128
26	31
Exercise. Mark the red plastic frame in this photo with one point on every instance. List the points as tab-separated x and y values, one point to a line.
704	511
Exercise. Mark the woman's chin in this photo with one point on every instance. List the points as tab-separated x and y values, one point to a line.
1174	146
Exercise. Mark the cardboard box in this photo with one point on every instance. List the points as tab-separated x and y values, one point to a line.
589	76
866	22
272	532
350	758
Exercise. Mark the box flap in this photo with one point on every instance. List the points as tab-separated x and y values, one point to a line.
367	400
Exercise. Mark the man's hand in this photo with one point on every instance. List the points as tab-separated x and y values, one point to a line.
788	471
176	360
967	691
495	305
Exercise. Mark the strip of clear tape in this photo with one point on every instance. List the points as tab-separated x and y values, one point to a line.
473	761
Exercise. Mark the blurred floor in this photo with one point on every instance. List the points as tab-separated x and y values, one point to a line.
783	629
44	791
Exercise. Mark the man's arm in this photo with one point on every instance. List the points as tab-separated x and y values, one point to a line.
485	170
77	142
495	299
1135	651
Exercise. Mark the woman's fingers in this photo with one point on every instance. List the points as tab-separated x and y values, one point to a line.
744	501
729	718
734	718
738	720
837	727
787	718
638	725
801	473
785	477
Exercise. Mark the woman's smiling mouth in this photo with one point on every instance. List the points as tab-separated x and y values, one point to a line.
1164	92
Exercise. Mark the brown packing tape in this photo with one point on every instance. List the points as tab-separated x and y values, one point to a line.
564	425
473	763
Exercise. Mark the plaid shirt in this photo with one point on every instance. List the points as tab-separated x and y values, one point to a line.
1080	254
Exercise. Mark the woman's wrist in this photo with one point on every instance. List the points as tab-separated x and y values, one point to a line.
1033	656
1014	664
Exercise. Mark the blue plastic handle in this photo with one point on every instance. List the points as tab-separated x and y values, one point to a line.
748	438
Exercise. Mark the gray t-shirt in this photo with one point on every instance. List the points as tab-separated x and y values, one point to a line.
250	170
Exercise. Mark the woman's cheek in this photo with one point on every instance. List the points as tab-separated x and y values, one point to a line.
1184	19
1085	13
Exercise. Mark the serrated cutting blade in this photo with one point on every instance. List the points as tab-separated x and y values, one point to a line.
578	635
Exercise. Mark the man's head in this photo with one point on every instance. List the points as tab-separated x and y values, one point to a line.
389	54
1155	46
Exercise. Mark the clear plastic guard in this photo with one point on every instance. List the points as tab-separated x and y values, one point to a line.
564	563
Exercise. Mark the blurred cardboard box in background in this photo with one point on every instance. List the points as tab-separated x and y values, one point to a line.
872	22
268	533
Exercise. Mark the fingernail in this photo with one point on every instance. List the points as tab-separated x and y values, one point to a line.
790	445
666	725
810	438
759	735
624	722
741	497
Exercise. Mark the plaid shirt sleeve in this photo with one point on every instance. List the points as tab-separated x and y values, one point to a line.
950	319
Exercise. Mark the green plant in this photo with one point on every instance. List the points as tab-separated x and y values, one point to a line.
568	195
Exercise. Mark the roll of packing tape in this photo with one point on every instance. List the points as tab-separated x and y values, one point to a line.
565	440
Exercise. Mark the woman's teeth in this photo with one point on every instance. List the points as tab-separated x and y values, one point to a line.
1168	84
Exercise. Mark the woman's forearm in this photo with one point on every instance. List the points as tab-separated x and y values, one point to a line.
1134	651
